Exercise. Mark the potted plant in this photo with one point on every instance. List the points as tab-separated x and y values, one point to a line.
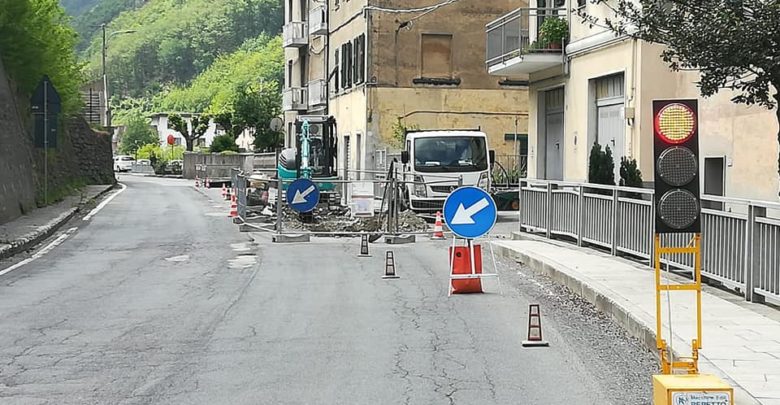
553	32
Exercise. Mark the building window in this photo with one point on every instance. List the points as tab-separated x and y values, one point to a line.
336	72
346	65
289	10
436	56
289	73
359	55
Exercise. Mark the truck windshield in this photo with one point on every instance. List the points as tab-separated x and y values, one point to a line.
450	154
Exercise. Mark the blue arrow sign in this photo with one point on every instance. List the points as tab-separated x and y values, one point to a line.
470	212
303	195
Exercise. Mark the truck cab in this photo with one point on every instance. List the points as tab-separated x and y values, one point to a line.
436	162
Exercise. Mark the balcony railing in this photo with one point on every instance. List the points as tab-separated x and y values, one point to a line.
318	22
295	34
517	36
317	93
294	99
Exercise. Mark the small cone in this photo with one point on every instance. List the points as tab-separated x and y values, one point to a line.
228	195
224	192
233	208
389	265
438	232
364	246
197	182
534	328
208	185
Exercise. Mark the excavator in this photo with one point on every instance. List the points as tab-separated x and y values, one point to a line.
315	138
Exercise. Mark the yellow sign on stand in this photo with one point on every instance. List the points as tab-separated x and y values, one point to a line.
691	389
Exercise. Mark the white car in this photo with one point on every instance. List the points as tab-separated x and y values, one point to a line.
123	163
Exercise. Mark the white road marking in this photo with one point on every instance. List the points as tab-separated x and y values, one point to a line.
104	203
40	253
182	258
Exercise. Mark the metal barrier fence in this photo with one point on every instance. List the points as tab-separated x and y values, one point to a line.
241	198
142	168
740	242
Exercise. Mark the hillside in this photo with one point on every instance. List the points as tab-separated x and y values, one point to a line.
88	18
78	7
175	40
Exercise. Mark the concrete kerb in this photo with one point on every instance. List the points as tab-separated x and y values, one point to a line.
41	233
621	312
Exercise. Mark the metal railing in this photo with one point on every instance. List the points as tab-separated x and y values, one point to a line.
318	22
740	244
317	93
517	33
294	99
295	34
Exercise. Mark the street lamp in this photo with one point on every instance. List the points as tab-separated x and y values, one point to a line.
105	78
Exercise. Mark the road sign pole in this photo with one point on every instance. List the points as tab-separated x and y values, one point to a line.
45	143
278	205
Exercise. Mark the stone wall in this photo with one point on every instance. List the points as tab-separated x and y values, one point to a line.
17	184
219	163
82	157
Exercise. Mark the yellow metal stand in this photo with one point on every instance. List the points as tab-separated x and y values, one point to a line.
680	381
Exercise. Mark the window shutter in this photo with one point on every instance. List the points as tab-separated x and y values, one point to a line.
336	73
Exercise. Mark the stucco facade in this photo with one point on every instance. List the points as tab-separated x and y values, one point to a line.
739	139
409	67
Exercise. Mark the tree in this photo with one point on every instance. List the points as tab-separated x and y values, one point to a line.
138	133
734	44
36	40
630	175
199	126
222	143
601	168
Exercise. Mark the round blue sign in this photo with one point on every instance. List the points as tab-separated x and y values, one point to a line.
303	195
470	212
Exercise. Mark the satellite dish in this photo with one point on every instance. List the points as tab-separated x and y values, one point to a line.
276	124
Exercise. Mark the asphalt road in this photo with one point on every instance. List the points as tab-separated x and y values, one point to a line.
158	299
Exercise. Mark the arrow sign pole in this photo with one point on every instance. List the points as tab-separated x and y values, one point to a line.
300	198
463	216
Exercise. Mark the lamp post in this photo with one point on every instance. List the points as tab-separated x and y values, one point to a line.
107	111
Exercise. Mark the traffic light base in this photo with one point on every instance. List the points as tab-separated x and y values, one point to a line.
705	389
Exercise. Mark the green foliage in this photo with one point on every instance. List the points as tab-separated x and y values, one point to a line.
554	30
199	124
176	39
87	20
150	150
222	143
399	133
137	134
260	60
601	168
630	175
125	108
36	40
76	7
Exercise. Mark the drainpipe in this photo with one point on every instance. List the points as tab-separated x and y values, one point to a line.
327	59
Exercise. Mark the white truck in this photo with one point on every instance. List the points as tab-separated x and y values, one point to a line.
436	162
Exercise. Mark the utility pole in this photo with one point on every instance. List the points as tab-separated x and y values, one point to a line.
106	94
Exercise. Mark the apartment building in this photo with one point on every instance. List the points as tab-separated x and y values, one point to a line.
599	87
400	62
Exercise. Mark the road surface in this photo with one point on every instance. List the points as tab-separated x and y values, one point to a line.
158	299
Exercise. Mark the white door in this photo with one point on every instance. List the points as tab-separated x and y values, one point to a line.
554	134
611	132
611	127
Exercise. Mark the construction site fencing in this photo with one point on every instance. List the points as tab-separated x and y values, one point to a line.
740	238
241	195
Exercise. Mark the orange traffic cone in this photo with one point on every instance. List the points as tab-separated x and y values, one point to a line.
208	185
233	208
197	182
224	192
438	232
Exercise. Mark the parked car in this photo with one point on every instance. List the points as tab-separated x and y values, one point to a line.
123	163
143	162
175	166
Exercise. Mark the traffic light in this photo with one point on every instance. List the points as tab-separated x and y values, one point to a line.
676	147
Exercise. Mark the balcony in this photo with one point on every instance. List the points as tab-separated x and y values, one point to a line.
318	21
295	34
294	99
524	42
318	95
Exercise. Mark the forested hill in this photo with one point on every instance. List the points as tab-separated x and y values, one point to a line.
88	15
175	40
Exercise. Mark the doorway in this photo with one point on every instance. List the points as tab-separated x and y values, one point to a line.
553	102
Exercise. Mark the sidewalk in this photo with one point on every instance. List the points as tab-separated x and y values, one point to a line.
741	341
26	231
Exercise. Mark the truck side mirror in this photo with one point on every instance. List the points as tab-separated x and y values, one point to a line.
492	157
404	156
